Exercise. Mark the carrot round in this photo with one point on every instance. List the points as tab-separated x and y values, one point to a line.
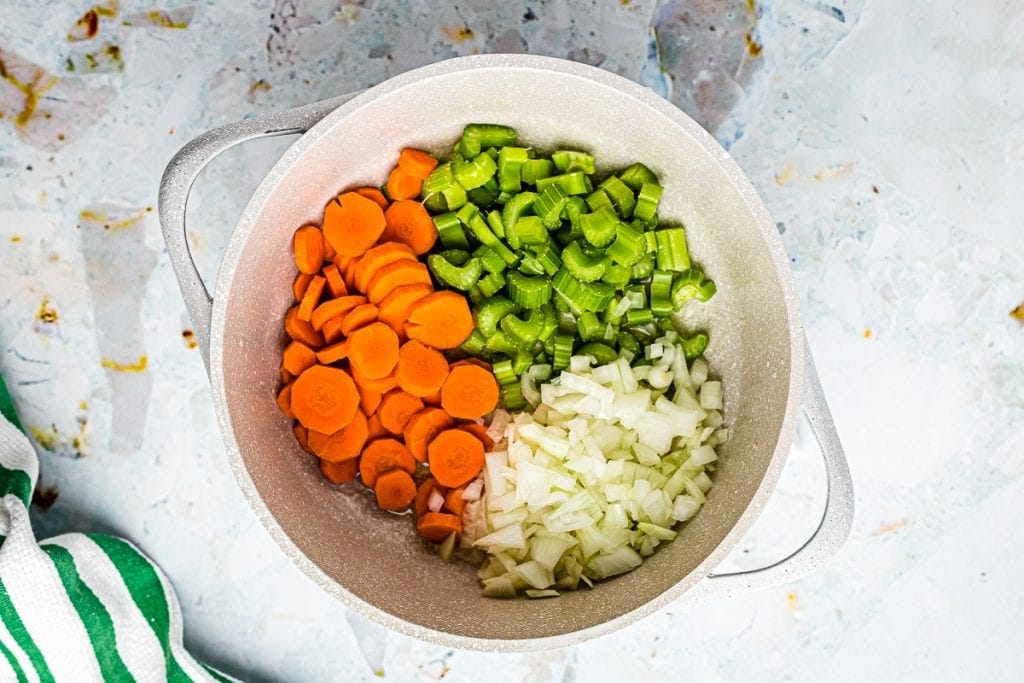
394	275
358	317
469	392
334	307
373	350
332	329
479	362
480	432
353	223
441	320
401	185
396	408
329	252
376	430
416	163
455	457
284	400
422	503
382	384
333	353
394	308
369	399
300	330
421	370
453	501
373	194
345	444
422	428
340	472
384	455
434	399
308	245
335	283
409	223
311	298
297	357
394	490
302	437
324	399
378	257
286	377
437	526
300	285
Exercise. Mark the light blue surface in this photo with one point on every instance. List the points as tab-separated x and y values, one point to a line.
888	143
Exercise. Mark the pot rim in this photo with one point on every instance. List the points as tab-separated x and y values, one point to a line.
728	166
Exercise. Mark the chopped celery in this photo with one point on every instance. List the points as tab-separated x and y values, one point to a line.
457	277
529	292
476	136
582	267
490	312
567	161
533	170
672	251
600	227
474	173
636	175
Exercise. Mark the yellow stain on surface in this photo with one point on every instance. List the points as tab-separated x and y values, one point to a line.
457	34
108	224
1018	314
46	312
47	438
834	172
15	239
867	333
787	174
137	366
163	20
892	526
30	90
792	602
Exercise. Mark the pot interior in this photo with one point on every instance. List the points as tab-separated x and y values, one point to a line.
376	556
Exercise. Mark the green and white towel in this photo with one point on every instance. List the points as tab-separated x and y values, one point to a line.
79	607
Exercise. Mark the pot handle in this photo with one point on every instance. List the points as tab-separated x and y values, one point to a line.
177	182
836	520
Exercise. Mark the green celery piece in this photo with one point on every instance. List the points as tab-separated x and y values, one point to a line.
690	284
621	196
526	330
550	322
661	291
695	346
629	245
582	267
510	164
512	396
495	223
489	312
647	202
549	206
449	231
617	276
589	327
531	265
454	196
533	170
643	268
474	173
529	292
567	161
499	342
636	175
489	258
474	344
441	178
562	351
601	353
515	208
461	278
574	183
456	257
548	257
600	227
476	136
503	371
673	253
435	203
529	230
491	284
598	199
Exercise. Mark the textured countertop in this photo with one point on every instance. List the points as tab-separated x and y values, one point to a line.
887	141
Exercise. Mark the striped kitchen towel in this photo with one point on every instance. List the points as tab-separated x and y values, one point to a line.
80	607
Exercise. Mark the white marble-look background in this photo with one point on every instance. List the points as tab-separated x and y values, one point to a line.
887	139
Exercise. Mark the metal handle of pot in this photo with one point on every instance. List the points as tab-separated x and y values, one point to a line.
836	520
177	182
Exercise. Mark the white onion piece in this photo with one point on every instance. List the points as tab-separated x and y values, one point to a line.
435	501
473	490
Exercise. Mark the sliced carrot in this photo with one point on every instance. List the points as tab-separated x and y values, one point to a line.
394	308
369	399
333	353
286	377
360	316
423	427
376	430
396	408
340	472
335	284
345	444
469	392
302	437
441	320
284	400
312	297
297	357
433	399
352	223
348	274
396	274
301	330
373	194
384	455
300	285
409	223
437	526
334	307
455	457
382	385
332	329
329	252
324	399
378	257
479	362
421	370
308	245
480	432
416	163
394	490
401	185
373	350
453	501
422	503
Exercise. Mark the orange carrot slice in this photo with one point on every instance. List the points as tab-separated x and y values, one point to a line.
437	526
421	370
394	308
284	400
416	163
401	185
340	472
409	223
455	457
374	194
297	357
333	353
352	223
394	490
358	317
373	350
335	284
422	503
324	399
421	429
334	307
396	274
300	285
345	444
378	257
480	432
384	455
301	330
312	297
469	392
441	320
396	408
308	246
